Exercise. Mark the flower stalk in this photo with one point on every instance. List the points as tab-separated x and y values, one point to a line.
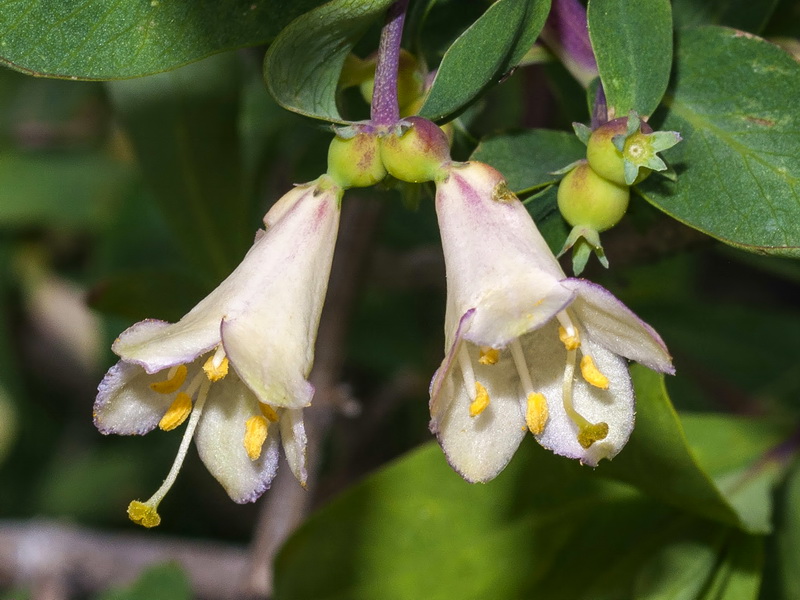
385	109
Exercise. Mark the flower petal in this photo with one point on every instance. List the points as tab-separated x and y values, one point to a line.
293	434
125	404
270	337
546	357
478	447
610	323
220	441
497	261
155	345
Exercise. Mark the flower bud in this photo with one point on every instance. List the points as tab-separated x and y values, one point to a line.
588	200
355	161
416	151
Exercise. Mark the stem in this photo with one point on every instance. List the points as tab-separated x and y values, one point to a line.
566	33
600	108
385	109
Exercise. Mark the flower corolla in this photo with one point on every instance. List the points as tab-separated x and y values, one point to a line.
236	365
527	348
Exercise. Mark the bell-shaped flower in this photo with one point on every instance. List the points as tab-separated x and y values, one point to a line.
527	349
236	365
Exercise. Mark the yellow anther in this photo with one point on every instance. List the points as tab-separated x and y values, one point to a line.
255	434
489	356
592	374
143	514
216	371
481	401
536	413
591	433
176	413
175	379
571	342
268	412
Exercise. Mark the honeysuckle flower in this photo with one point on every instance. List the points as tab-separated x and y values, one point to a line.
527	349
237	364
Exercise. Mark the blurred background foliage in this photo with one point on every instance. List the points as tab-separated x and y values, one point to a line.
131	199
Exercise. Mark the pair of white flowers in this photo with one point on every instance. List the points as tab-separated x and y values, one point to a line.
527	349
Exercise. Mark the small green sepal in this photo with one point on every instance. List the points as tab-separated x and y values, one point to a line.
583	132
584	241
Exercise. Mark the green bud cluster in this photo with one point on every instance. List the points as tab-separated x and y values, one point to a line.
415	150
594	194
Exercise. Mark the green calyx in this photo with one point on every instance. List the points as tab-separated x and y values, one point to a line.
354	159
625	150
416	150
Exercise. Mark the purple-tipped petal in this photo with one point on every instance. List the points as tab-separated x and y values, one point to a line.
156	345
293	435
125	404
220	441
613	325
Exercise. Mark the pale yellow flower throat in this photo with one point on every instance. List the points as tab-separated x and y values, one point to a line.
214	369
537	412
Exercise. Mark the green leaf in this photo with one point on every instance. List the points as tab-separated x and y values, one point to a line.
95	39
734	102
529	159
303	64
738	577
658	460
545	528
741	14
788	538
485	52
736	452
161	582
713	465
183	125
632	42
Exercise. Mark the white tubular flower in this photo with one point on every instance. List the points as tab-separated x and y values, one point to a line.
261	321
527	349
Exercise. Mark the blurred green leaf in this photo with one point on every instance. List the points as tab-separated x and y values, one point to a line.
658	460
490	48
160	582
90	39
183	125
62	190
303	64
737	453
544	528
788	539
528	159
739	575
742	14
733	100
632	42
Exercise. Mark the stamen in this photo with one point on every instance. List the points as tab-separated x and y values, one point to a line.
177	412
175	378
567	332
268	412
522	367
592	374
489	356
216	367
466	371
571	342
481	401
255	434
537	413
145	513
588	432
